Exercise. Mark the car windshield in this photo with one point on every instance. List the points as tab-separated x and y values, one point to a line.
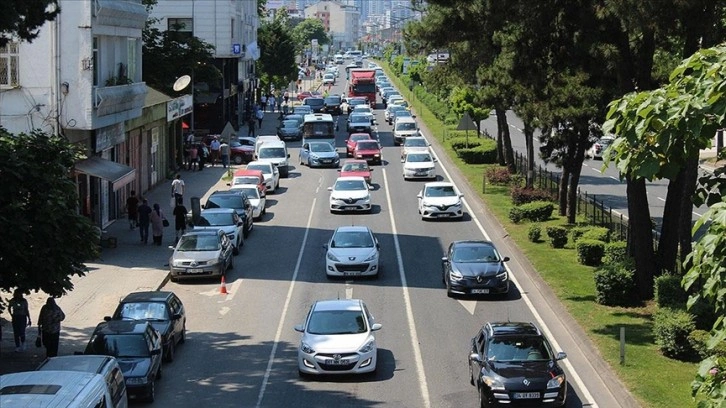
358	137
337	322
351	239
321	147
207	219
314	102
250	192
289	124
359	118
406	125
414	142
271	152
262	167
195	242
246	180
418	158
350	185
333	100
440	191
367	145
302	109
355	167
354	102
474	254
518	349
144	311
225	201
119	345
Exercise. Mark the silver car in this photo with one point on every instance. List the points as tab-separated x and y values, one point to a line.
352	251
201	254
319	154
225	219
258	201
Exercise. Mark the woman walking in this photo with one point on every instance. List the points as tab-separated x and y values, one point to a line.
21	318
49	322
157	224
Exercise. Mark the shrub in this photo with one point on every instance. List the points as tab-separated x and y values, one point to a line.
576	232
614	285
705	314
557	235
616	252
537	211
527	195
486	153
499	176
671	328
590	251
459	142
516	214
597	233
698	339
534	232
669	293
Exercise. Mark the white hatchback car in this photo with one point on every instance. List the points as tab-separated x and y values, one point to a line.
257	200
337	338
440	199
350	194
269	171
352	251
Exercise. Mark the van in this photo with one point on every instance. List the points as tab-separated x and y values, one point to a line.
404	127
265	139
106	366
275	152
338	58
39	389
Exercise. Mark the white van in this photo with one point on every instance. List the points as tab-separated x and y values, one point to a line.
39	389
260	140
276	154
338	58
106	366
404	127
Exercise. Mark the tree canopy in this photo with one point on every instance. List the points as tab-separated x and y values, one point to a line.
23	18
307	30
277	57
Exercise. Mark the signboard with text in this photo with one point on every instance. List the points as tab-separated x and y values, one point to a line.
179	107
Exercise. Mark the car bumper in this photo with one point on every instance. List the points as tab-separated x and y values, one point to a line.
325	162
370	158
489	286
201	272
419	174
320	363
135	391
435	212
360	205
547	399
351	269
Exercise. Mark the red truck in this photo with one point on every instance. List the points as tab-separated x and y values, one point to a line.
363	83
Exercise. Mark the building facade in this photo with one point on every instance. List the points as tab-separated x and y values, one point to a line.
341	21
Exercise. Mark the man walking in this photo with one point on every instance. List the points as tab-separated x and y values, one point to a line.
132	207
177	188
144	220
49	323
20	314
180	220
214	147
259	115
224	151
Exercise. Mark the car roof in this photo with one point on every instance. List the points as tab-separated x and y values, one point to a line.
247	172
511	328
223	210
473	243
404	119
439	184
147	296
201	232
122	327
85	363
350	178
338	304
353	228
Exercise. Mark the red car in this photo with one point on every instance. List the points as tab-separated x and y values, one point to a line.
352	141
242	150
307	94
357	168
244	176
368	150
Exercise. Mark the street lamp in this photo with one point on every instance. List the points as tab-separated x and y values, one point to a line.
180	84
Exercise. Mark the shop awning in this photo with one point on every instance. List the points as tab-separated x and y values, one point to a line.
118	174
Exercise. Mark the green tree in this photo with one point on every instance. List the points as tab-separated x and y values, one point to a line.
306	31
47	241
23	18
277	57
467	99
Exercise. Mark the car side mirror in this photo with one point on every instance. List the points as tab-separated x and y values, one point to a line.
330	188
299	328
325	246
371	169
176	316
229	184
505	259
474	357
403	160
376	326
107	318
444	259
561	356
240	223
418	195
171	247
370	187
461	195
339	170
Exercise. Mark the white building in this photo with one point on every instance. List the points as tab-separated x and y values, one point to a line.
341	21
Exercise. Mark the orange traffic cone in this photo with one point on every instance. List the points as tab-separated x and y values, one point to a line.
223	287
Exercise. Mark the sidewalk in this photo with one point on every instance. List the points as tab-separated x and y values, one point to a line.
130	267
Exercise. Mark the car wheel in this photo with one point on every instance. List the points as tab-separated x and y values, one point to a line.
237	160
151	392
183	337
471	375
170	352
173	279
309	165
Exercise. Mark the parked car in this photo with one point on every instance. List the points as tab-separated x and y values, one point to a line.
249	176
241	150
289	129
137	346
201	254
440	199
369	150
353	140
357	168
225	219
53	388
419	165
163	309
257	198
318	154
271	173
474	268
237	201
350	194
352	251
337	338
514	362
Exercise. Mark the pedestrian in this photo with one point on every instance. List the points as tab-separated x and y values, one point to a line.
157	224
49	325
190	138
193	157
259	115
224	151
284	108
144	219
20	314
180	220
214	148
286	97
132	209
201	155
251	126
271	101
177	188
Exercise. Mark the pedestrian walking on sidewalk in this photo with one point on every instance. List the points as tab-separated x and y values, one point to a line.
214	148
177	189
251	127
20	314
144	220
259	115
193	157
202	154
157	224
49	326
132	209
224	151
180	220
263	102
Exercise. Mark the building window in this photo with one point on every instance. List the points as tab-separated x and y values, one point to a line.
183	27
95	61
232	29
9	73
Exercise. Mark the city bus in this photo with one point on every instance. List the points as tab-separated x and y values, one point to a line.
319	126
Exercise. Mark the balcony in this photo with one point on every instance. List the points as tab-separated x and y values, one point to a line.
108	100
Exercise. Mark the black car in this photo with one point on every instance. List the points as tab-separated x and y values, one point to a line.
512	364
289	129
164	310
332	104
474	268
137	348
233	199
317	104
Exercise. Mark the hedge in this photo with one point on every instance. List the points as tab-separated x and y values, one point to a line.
698	339
614	285
590	251
557	235
534	233
671	328
576	232
499	176
597	233
535	211
669	292
616	252
459	142
522	195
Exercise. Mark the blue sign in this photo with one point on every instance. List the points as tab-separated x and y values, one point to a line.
236	49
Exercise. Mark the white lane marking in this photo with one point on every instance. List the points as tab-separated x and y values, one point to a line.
595	169
580	385
348	291
278	334
614	178
424	387
469	305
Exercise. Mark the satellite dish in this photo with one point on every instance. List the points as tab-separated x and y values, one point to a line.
182	82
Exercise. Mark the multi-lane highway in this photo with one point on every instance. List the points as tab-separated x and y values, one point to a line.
241	348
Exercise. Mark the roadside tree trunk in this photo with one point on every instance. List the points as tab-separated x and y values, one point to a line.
640	237
562	191
507	142
529	138
685	236
668	241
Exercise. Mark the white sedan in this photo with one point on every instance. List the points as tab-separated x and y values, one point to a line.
352	251
440	199
419	165
350	194
269	171
337	338
253	194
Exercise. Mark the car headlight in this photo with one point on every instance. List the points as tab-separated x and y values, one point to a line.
177	263
136	380
372	257
368	347
332	257
456	275
556	382
305	348
494	383
503	276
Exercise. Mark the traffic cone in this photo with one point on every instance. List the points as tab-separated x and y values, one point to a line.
223	287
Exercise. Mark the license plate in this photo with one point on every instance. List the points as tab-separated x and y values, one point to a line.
480	291
351	207
350	273
526	395
196	270
330	361
325	161
444	215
